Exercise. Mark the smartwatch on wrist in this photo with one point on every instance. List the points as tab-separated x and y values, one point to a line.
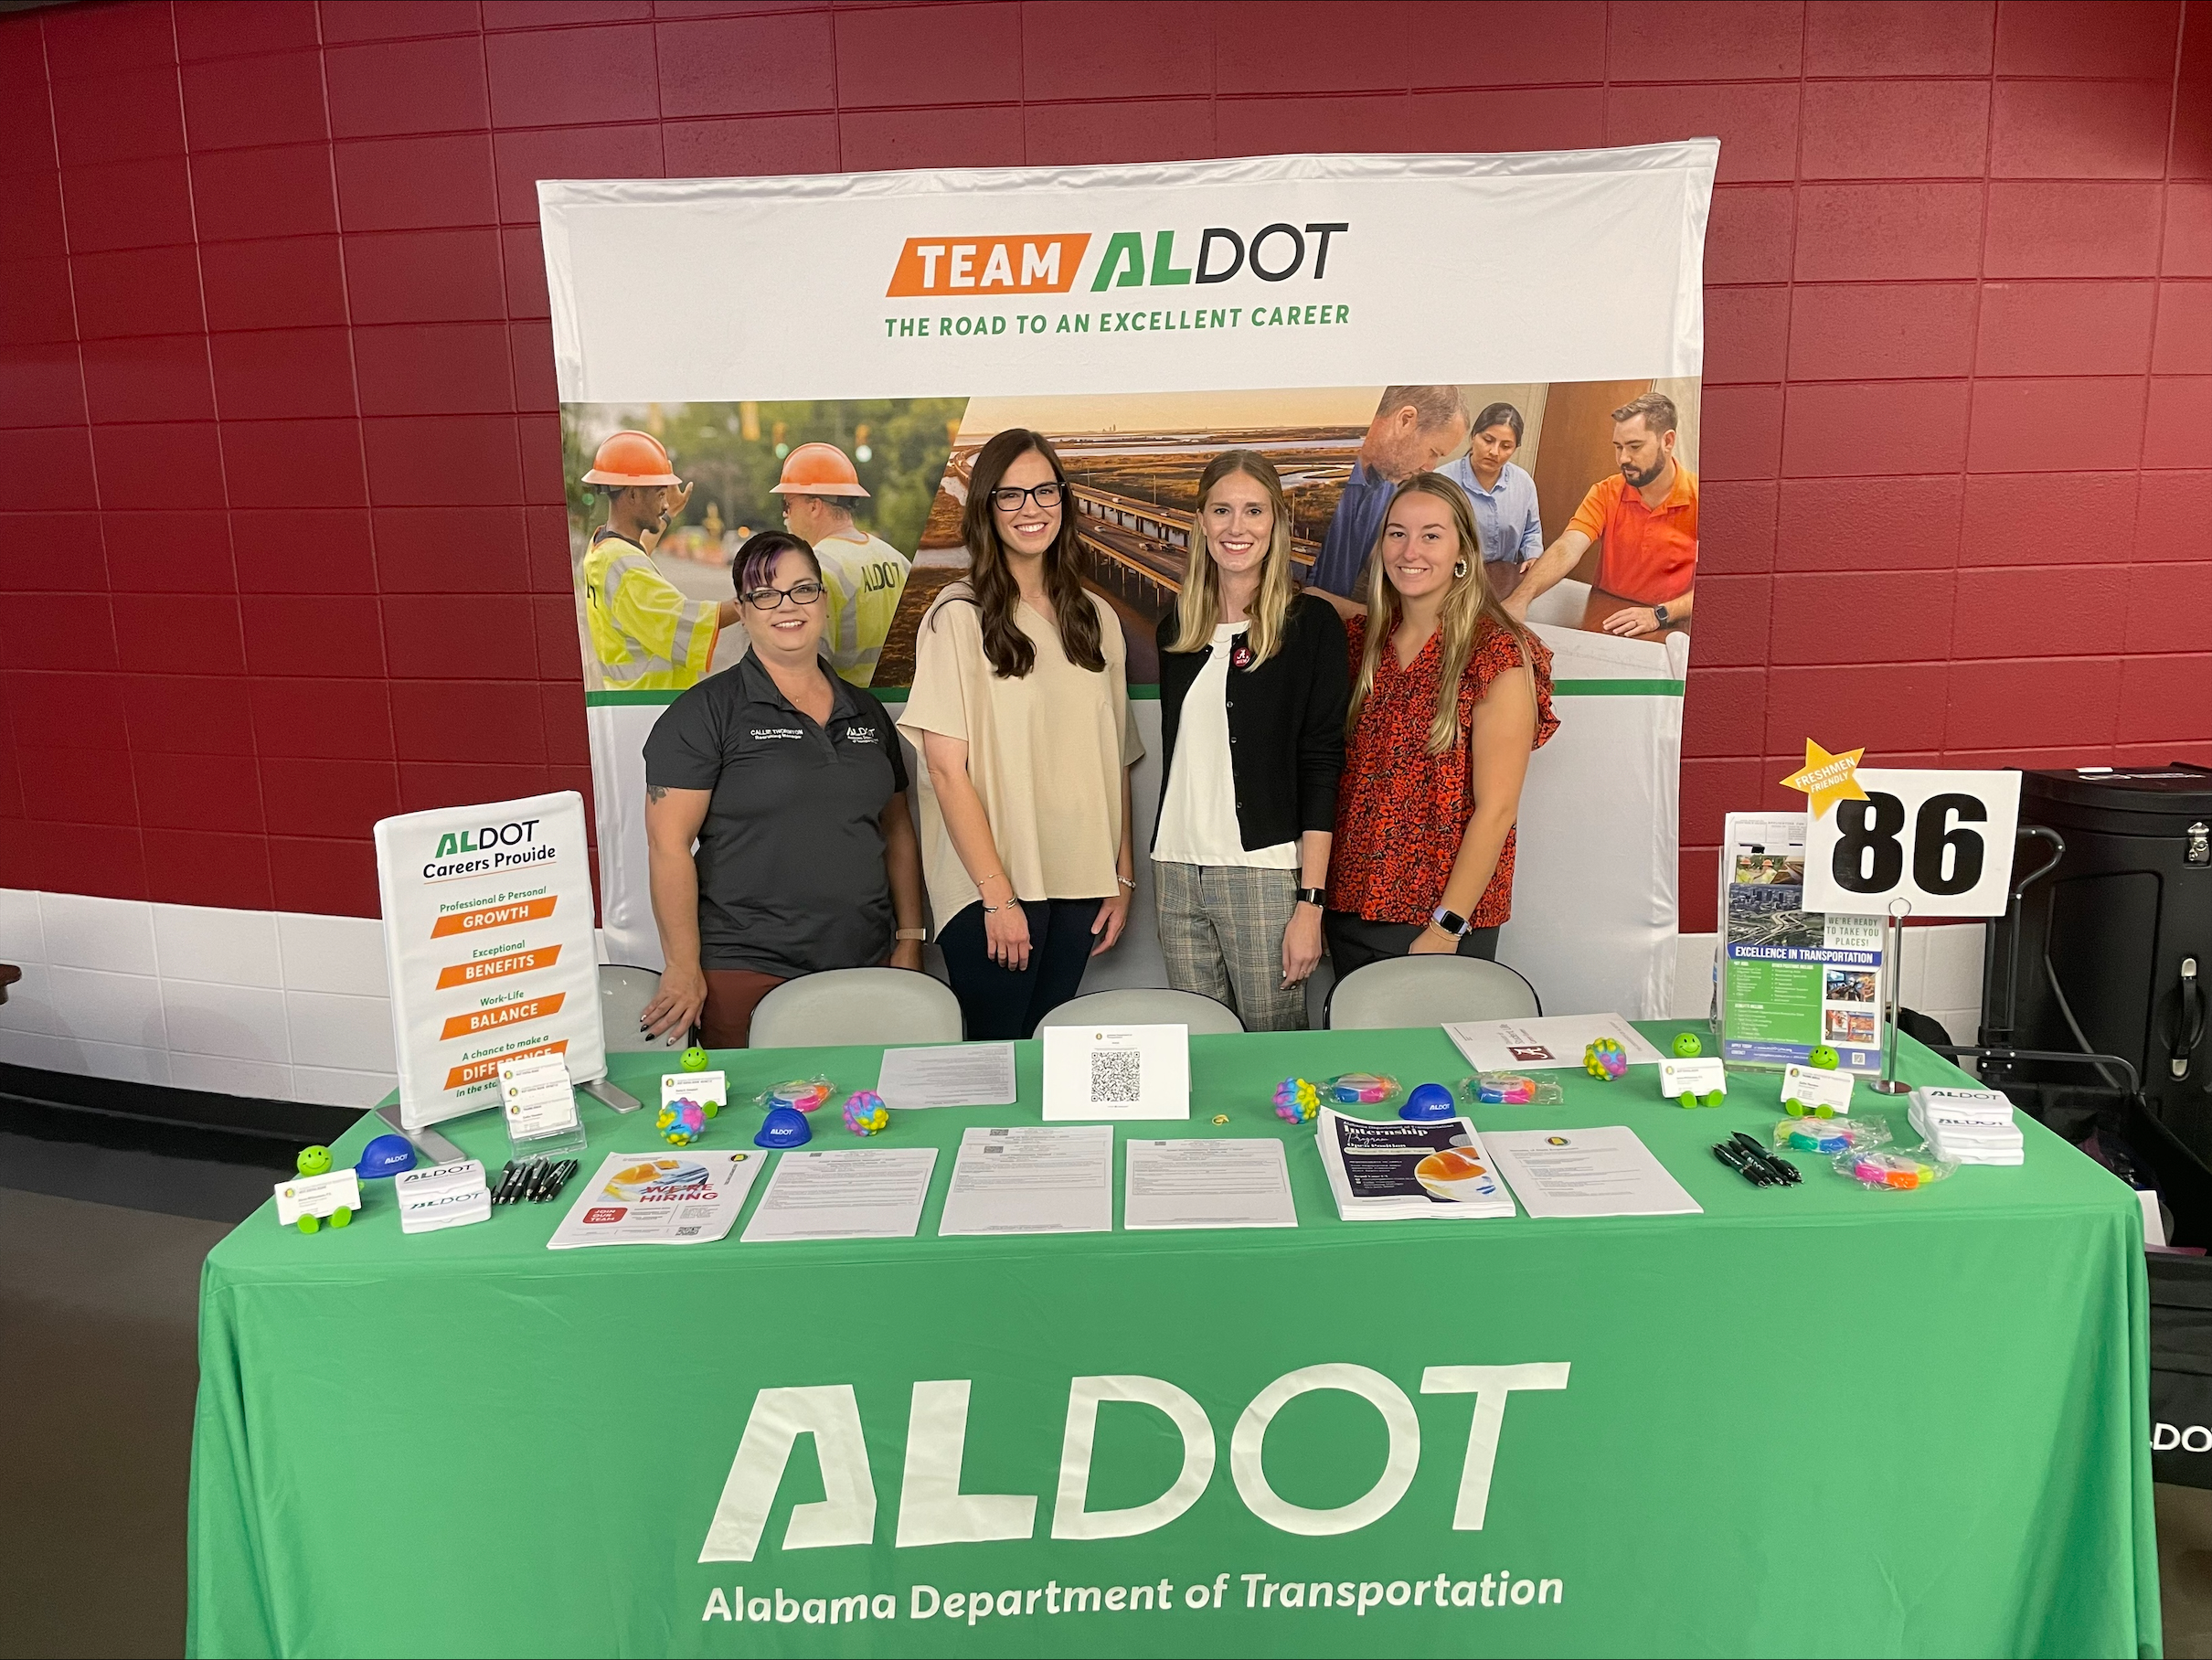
1316	896
1659	615
1449	921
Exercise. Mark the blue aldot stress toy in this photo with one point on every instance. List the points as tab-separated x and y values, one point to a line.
865	1114
1605	1058
1428	1102
681	1121
1296	1100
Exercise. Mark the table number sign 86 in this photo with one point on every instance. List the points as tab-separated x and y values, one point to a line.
1940	841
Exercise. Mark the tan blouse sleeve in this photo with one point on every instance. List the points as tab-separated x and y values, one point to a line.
944	640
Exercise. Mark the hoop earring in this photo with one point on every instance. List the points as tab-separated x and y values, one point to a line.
1459	571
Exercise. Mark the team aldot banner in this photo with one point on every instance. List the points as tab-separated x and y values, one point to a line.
857	338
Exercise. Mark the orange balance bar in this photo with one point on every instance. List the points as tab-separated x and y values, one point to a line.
506	1013
494	968
492	916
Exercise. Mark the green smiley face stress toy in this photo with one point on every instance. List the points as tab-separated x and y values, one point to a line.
694	1060
1686	1045
314	1161
1825	1057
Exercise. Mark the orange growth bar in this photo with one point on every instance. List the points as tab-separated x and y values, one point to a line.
492	916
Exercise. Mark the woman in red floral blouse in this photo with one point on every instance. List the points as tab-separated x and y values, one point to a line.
1449	699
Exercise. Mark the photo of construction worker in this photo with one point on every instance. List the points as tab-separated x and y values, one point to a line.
865	574
645	634
651	560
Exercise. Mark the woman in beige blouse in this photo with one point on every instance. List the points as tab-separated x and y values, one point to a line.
1020	708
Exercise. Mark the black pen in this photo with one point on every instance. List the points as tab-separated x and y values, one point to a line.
505	1190
557	1180
523	1178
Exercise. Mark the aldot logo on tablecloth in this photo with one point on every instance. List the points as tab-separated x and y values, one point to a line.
933	1510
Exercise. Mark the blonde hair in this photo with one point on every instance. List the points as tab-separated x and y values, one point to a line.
1198	608
1467	603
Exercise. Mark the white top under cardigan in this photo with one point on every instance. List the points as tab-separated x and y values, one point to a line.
1198	808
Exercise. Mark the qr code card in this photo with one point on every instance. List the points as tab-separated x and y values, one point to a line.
1116	1071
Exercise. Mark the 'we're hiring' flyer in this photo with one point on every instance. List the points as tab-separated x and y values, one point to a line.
1790	979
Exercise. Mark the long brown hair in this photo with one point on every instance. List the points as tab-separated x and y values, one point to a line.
1198	608
1467	603
991	579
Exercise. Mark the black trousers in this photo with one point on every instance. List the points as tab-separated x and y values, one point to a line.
1353	941
1001	1003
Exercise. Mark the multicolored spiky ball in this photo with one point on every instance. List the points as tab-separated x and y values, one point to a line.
1605	1058
865	1114
682	1122
1297	1102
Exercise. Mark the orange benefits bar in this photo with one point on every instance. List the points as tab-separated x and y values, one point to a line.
492	916
494	968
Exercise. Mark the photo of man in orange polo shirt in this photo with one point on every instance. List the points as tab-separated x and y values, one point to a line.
1644	521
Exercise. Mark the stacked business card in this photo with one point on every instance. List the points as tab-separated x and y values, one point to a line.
442	1195
1968	1126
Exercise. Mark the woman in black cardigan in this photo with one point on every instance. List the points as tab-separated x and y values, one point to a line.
1253	684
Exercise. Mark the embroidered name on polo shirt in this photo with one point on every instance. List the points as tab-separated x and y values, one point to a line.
761	734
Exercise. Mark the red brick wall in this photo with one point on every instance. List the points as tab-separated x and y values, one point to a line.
285	552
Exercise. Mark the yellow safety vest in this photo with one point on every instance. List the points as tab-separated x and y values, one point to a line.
646	636
865	576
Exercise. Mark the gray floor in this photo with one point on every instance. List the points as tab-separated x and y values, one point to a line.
97	1371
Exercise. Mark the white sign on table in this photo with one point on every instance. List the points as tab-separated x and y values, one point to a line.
1940	840
1116	1072
488	948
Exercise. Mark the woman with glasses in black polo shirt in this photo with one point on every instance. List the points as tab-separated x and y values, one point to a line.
791	782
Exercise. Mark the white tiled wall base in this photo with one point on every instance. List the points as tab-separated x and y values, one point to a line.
1942	976
292	1007
273	1004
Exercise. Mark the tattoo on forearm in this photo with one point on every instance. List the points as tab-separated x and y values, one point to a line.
657	792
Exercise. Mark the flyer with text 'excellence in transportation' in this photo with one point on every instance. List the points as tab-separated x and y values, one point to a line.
1792	979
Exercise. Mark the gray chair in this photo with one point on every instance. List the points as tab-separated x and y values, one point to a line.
1429	991
623	992
1145	1007
855	1005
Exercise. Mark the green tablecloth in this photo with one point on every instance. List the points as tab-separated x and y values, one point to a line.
1816	1419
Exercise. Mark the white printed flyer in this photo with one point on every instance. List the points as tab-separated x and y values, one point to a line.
488	948
688	1197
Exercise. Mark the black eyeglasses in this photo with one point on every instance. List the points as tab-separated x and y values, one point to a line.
1007	499
772	598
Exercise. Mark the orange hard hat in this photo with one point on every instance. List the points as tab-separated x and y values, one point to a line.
631	459
817	470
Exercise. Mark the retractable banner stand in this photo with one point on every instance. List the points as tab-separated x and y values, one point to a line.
857	338
487	947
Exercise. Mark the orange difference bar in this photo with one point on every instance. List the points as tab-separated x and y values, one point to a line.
476	1071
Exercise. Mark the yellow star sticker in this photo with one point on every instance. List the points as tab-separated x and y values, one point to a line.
1827	778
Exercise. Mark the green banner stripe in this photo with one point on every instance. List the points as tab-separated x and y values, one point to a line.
1151	694
1616	688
